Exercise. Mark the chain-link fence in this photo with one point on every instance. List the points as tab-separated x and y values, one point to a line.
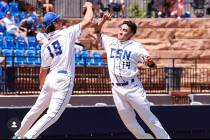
90	79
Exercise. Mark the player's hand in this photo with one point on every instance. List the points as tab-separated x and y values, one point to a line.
107	16
149	62
87	5
40	87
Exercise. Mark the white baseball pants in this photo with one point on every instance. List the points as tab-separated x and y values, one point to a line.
55	96
130	98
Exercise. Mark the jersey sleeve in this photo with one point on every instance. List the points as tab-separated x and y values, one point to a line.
142	52
74	32
105	41
45	63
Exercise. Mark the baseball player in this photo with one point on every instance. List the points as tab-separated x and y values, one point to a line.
123	55
56	86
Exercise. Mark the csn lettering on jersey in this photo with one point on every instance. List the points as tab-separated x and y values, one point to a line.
120	54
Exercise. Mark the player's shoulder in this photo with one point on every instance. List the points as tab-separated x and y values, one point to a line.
136	44
63	31
107	36
72	27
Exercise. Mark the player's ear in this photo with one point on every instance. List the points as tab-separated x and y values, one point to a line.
131	34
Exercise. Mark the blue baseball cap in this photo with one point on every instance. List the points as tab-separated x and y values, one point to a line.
30	20
49	18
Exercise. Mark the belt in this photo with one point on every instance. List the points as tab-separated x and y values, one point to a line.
65	72
62	71
123	84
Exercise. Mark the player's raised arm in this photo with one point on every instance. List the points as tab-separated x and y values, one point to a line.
88	15
99	25
104	41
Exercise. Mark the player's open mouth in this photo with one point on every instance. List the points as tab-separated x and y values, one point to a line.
120	34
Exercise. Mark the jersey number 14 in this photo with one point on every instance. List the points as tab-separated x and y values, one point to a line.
55	49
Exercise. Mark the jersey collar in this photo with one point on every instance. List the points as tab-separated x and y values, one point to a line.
49	35
126	42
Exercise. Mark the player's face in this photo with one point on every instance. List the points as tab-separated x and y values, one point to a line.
124	33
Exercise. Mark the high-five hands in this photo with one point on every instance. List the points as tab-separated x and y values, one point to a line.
107	16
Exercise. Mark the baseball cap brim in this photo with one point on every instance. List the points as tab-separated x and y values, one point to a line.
54	20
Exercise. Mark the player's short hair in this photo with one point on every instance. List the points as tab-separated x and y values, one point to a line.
50	28
131	25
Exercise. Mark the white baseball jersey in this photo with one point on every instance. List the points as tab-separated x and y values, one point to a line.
123	58
57	55
58	52
41	38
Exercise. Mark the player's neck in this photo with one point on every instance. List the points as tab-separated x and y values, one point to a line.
124	41
49	35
